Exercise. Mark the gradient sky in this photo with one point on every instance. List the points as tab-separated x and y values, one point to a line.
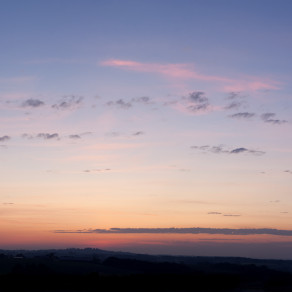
146	116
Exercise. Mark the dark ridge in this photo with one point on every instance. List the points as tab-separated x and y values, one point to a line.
99	270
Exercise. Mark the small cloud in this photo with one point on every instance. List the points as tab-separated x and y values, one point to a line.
222	149
48	136
139	133
142	99
269	118
243	115
213	149
75	137
8	203
96	170
234	105
231	215
239	150
69	103
288	171
214	213
197	101
242	150
34	103
45	136
236	100
120	103
5	138
124	104
198	97
275	201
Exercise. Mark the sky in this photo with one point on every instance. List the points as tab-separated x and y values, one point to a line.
147	126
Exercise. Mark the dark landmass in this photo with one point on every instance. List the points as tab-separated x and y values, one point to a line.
99	270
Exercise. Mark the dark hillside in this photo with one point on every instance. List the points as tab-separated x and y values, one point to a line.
94	270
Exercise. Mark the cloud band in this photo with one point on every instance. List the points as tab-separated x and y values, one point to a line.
192	230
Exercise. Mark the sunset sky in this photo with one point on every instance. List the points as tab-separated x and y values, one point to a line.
158	126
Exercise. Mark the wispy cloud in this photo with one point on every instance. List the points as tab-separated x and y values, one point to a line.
192	230
45	136
236	100
226	215
288	171
252	84
243	115
142	99
116	134
70	102
126	104
138	133
221	149
52	136
234	105
75	137
48	136
188	72
270	118
196	102
96	170
183	71
232	215
120	103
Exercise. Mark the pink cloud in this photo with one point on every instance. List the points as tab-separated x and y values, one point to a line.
252	85
188	72
183	71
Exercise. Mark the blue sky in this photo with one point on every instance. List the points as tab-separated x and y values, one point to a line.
145	114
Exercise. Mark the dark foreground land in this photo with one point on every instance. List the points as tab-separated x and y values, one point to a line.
98	270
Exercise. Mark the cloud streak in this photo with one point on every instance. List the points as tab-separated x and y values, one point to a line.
96	170
192	230
220	149
188	72
182	71
270	118
243	115
45	136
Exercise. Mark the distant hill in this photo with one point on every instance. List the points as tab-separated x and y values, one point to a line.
100	270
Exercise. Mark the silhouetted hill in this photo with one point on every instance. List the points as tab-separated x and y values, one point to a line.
99	270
